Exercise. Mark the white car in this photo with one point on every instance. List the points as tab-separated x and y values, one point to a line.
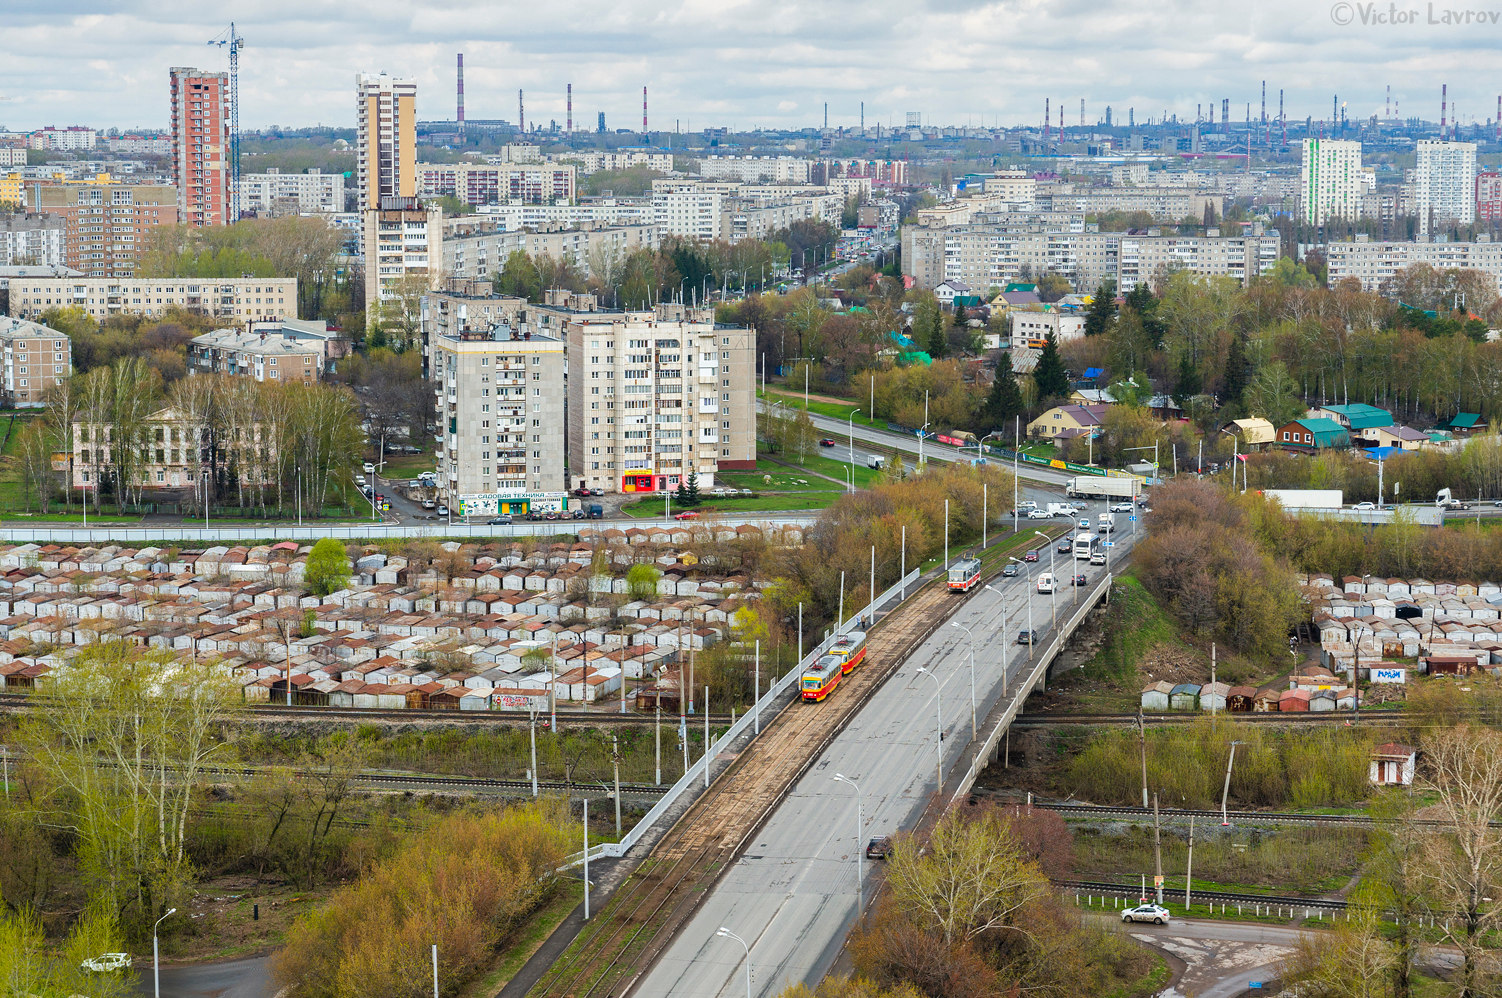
1147	913
1027	504
1039	514
1122	507
1365	506
109	963
368	468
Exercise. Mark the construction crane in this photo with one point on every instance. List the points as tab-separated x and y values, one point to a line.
234	42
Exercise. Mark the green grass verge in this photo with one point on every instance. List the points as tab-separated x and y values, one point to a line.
833	410
785	503
1154	981
406	465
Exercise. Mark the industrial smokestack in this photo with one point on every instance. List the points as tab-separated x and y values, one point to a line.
863	117
1282	121
521	114
644	111
1444	101
460	114
570	125
1225	114
1082	112
1046	119
1387	111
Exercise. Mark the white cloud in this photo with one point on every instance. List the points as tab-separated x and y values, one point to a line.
741	63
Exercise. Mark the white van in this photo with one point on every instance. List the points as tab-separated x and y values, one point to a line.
1046	582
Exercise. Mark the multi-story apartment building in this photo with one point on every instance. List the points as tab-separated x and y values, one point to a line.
12	155
621	159
105	225
1169	204
1489	197
400	240
756	169
694	212
278	193
985	255
654	396
1373	263
244	298
258	354
140	145
1331	181
886	172
605	211
175	453
201	147
480	183
74	138
32	240
386	139
35	359
499	390
1444	183
480	255
754	219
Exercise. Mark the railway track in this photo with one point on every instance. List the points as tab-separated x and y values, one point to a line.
646	912
465	782
1374	717
1105	811
17	701
1229	897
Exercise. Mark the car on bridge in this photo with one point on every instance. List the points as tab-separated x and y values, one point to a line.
879	847
1066	543
1026	637
1147	913
1080	580
1033	555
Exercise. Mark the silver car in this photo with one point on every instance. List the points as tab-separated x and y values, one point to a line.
1147	913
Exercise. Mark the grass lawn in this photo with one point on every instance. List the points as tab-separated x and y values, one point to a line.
786	502
833	410
406	465
818	462
783	479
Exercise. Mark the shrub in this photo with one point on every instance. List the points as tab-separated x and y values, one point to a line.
328	567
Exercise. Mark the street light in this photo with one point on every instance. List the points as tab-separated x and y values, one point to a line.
860	828
956	623
722	931
1224	821
939	711
156	973
1002	600
850	432
1235	452
1053	613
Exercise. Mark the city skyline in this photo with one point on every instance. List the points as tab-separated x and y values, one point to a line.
743	66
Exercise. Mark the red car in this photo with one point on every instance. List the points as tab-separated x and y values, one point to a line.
1031	555
690	515
827	442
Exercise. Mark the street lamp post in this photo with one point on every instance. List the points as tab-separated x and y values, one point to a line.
1004	667
156	973
1235	453
722	931
956	623
860	828
205	475
850	432
1053	613
939	712
1224	821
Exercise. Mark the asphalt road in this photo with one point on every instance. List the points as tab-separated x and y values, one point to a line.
247	978
791	895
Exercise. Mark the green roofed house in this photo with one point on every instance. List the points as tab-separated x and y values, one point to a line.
1358	419
1464	422
1309	435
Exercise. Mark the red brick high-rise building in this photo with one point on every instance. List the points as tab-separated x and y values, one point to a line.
201	146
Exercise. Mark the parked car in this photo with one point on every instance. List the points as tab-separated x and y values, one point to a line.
534	515
1080	580
686	515
577	514
1026	637
1011	571
596	511
368	468
443	511
1033	555
826	442
109	963
581	491
879	847
551	514
499	521
596	492
1146	913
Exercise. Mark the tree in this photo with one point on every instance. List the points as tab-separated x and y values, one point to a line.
691	495
1273	394
1238	373
519	276
935	339
1050	377
641	581
970	877
1052	286
1102	309
1188	383
328	567
1005	399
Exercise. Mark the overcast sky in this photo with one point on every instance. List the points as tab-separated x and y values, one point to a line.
749	63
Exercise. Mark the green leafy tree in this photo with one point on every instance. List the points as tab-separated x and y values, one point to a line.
519	276
1102	309
1049	376
1005	398
1273	394
328	567
1141	301
1052	286
641	581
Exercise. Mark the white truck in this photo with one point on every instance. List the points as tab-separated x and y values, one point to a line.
1107	522
1061	509
1444	500
876	462
1098	487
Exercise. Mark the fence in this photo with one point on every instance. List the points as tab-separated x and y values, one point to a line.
1019	693
694	777
73	534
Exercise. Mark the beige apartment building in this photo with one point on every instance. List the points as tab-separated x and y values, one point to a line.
499	395
173	452
261	355
105	225
244	298
654	395
35	359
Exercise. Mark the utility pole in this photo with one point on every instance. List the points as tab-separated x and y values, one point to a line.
1142	740
615	757
1157	850
1212	680
658	737
1189	866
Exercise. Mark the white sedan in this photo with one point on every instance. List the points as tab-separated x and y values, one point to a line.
1039	514
1122	507
1146	913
